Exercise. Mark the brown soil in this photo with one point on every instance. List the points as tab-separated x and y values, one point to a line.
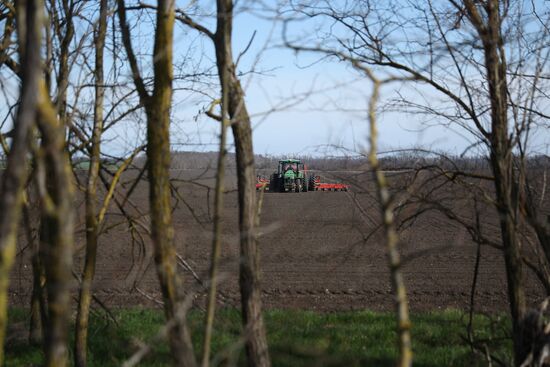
318	252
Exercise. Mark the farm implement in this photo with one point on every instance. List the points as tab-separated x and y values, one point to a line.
316	185
292	176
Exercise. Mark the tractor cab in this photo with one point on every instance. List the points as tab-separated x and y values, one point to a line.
290	166
293	165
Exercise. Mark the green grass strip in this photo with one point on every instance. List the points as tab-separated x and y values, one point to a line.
296	338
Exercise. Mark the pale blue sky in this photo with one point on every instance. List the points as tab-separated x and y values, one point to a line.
333	114
336	113
332	96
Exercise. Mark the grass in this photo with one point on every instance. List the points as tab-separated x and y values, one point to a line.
296	338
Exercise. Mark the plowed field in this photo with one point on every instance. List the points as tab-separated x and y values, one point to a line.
318	251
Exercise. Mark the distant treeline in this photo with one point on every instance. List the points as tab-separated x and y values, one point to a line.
394	161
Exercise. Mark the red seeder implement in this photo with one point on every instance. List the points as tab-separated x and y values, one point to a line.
317	185
314	184
262	183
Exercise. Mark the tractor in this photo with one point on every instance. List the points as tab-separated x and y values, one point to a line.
291	176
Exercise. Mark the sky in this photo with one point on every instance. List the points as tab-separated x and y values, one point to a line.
300	103
303	104
329	116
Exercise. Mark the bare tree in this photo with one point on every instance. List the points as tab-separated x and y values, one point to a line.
55	186
485	60
38	304
217	230
387	207
157	109
92	223
386	201
58	221
249	267
489	29
14	177
249	271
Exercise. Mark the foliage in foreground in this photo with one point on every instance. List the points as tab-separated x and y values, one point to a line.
296	338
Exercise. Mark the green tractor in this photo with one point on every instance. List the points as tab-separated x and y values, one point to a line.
290	176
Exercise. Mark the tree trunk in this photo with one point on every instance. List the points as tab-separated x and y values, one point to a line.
14	177
36	330
58	222
57	206
249	267
217	231
501	160
157	109
92	224
38	297
391	237
158	156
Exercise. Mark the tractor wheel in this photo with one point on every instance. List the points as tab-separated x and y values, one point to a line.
311	183
274	185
